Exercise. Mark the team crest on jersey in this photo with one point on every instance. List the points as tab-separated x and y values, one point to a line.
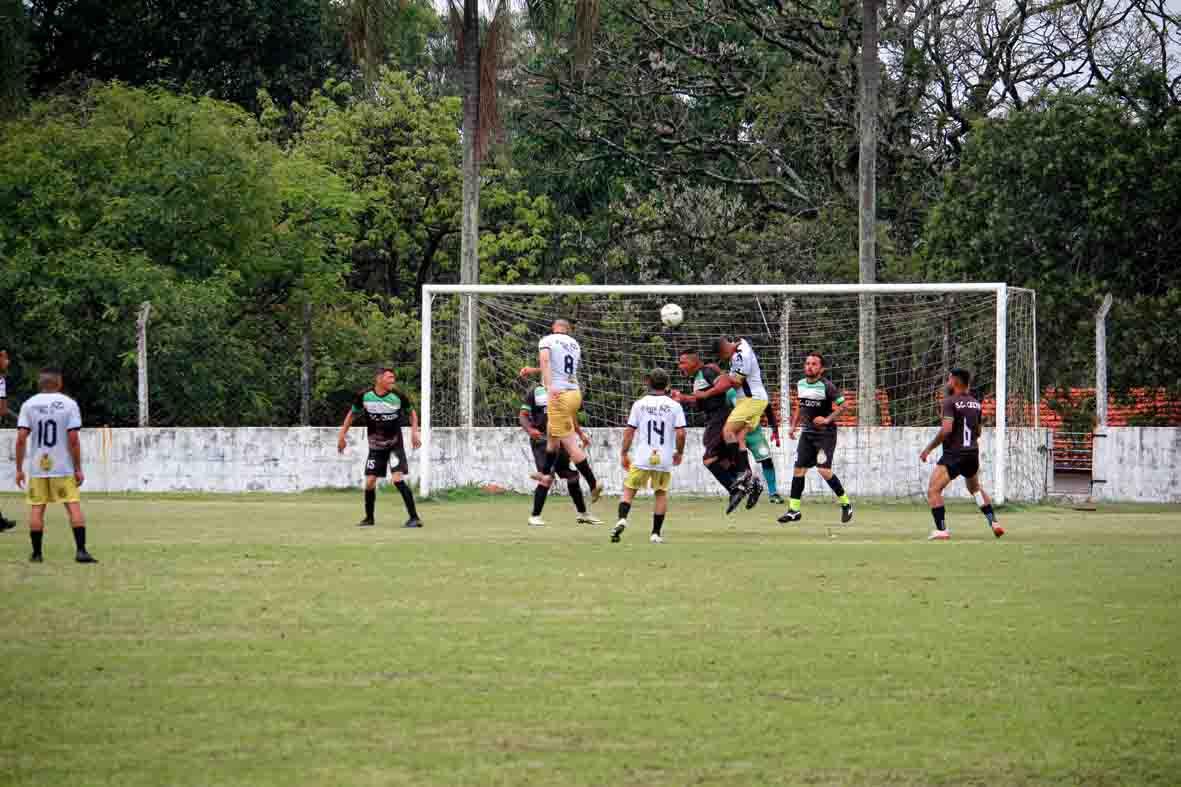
654	458
45	463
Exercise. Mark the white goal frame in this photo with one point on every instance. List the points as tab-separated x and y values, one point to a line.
1000	290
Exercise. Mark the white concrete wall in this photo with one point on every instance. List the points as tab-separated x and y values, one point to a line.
1138	463
874	462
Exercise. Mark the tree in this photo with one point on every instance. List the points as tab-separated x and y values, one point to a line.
1076	196
223	48
14	55
122	195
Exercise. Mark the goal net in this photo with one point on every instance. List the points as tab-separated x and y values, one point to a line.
921	332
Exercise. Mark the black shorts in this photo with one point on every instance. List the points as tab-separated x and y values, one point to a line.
713	440
378	463
562	468
966	465
810	446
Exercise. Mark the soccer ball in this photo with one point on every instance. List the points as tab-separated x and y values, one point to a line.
671	315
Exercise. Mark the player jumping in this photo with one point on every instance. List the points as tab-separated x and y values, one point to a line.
659	423
559	358
747	378
386	409
959	435
535	423
760	449
715	409
818	404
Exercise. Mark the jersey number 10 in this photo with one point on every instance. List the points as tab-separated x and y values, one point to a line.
46	434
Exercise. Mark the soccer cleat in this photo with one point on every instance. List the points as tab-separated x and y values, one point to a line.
536	521
413	522
597	492
737	494
36	558
655	538
777	499
790	517
617	531
6	524
846	514
756	489
939	535
366	522
997	530
587	518
84	557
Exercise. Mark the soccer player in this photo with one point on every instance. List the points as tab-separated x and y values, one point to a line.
959	435
715	409
758	447
660	423
53	421
818	405
535	423
559	357
745	376
385	409
5	524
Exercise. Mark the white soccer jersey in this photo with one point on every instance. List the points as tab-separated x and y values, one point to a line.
655	419
744	369
3	388
50	417
564	357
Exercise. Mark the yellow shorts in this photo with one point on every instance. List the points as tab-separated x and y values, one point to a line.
562	412
640	479
748	411
43	491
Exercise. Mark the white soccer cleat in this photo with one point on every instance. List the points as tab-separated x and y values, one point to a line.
617	531
589	519
939	535
536	521
655	538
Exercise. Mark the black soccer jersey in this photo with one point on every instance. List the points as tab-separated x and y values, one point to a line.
965	412
384	415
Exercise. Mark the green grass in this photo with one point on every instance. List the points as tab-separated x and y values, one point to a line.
266	641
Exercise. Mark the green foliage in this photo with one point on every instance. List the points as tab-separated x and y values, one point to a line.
1075	198
225	48
125	195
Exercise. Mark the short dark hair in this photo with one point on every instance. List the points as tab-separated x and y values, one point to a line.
963	375
658	379
815	354
564	323
382	368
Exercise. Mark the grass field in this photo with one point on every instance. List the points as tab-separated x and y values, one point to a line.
267	641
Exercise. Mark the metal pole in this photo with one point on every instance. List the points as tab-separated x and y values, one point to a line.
424	453
1002	395
1037	390
785	366
707	289
141	351
1101	361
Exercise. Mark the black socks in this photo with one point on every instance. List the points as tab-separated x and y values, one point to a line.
797	487
539	495
724	475
80	538
576	495
36	536
370	500
407	498
835	485
624	509
937	514
585	468
657	523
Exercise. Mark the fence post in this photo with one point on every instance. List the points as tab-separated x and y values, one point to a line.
1101	361
141	350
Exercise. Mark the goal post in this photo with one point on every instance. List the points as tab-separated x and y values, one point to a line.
990	325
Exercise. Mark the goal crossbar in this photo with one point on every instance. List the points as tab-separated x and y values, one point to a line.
1000	289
